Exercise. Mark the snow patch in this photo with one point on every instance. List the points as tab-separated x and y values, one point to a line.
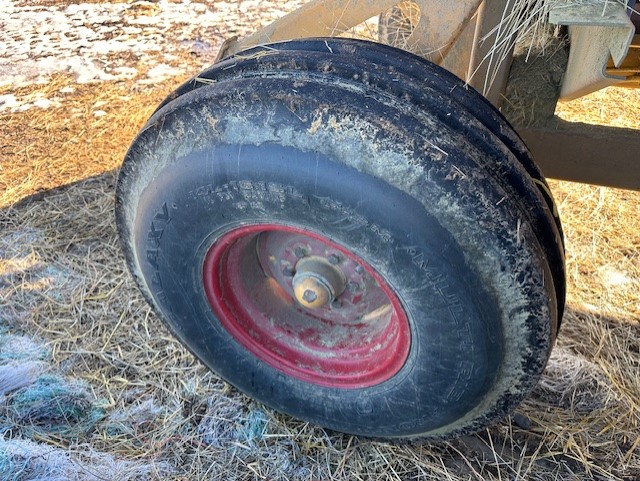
12	103
98	41
8	102
613	277
19	457
159	73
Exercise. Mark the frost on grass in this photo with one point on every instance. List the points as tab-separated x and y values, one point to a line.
39	279
16	376
51	406
226	420
572	382
225	436
20	348
21	362
23	460
36	403
39	407
243	433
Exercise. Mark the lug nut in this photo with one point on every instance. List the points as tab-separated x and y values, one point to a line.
287	272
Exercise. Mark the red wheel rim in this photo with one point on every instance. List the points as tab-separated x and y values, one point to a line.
359	338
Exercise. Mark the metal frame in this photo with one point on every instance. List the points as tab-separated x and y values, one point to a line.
327	18
592	154
629	68
459	36
598	32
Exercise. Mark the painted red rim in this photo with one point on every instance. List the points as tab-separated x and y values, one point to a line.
359	340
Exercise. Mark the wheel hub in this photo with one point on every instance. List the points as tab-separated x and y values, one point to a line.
317	282
306	306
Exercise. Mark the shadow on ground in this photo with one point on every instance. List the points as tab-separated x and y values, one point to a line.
91	382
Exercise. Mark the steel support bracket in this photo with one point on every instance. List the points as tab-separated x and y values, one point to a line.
598	30
630	66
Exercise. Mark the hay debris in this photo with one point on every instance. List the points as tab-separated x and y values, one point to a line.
535	78
166	417
13	377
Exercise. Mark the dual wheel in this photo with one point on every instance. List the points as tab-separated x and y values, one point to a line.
348	234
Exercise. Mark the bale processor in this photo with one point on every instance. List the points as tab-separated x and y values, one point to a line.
358	232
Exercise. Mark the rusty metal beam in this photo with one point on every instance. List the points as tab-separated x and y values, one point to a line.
591	154
458	59
489	67
440	24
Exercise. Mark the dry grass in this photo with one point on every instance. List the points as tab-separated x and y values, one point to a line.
87	135
617	107
63	281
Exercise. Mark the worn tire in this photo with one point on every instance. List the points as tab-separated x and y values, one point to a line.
432	191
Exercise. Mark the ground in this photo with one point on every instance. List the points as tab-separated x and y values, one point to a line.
92	386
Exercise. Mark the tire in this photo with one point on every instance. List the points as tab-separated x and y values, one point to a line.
434	245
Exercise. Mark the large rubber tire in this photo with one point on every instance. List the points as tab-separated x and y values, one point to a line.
386	162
